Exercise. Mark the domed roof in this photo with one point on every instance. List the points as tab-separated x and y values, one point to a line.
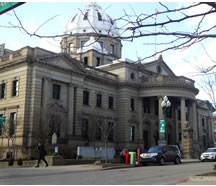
92	20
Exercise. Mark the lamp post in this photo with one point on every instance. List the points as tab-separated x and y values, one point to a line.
165	105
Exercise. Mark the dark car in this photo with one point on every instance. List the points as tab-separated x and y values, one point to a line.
161	154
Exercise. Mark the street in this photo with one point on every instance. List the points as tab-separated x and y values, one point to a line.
92	175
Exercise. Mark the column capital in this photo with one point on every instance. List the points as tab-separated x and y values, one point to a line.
46	78
73	85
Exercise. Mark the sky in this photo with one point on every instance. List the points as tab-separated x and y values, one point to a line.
33	14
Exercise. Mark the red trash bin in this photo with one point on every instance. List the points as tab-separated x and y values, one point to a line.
138	155
127	159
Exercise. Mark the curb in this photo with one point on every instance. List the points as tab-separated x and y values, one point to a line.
120	167
190	161
202	178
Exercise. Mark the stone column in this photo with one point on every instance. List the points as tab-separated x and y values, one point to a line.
140	112
45	94
187	141
195	132
183	117
162	140
70	117
177	128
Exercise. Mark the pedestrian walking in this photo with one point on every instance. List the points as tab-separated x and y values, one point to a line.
42	154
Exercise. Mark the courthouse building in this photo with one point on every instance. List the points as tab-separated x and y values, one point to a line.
42	92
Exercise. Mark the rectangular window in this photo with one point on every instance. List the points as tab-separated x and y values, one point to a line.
98	61
98	133
85	128
12	123
85	97
111	131
111	102
82	43
71	47
203	122
180	136
101	44
2	90
132	104
132	133
85	60
146	106
15	86
99	100
56	91
179	115
112	49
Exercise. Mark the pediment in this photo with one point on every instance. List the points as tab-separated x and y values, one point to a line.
63	62
159	67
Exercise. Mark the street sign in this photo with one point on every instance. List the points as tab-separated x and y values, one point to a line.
2	121
162	126
6	6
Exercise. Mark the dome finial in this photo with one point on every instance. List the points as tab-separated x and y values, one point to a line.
92	3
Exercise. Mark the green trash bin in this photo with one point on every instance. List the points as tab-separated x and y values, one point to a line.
132	158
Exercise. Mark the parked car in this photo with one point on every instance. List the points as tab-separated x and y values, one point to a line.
161	154
209	154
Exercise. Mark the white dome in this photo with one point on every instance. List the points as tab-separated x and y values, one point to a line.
92	20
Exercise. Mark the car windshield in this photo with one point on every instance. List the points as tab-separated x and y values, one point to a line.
155	149
211	150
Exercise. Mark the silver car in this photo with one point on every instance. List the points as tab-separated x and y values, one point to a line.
209	154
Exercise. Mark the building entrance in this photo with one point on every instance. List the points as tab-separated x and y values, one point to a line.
146	139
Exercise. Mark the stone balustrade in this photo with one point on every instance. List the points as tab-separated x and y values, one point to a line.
169	81
101	73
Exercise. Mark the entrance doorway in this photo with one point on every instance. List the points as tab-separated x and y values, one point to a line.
146	139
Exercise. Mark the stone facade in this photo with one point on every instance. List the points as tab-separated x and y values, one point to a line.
42	92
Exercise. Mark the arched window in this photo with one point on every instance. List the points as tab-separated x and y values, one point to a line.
85	16
99	17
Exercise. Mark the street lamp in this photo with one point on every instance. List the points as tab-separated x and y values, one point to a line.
165	105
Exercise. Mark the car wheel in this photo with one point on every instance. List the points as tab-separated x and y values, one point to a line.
177	160
162	161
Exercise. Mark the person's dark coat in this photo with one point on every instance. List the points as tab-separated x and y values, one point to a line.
42	150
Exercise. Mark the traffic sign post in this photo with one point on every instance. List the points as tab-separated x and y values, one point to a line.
162	126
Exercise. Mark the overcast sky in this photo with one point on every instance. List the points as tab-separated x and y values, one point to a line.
33	14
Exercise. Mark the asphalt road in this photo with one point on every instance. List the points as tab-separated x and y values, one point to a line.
90	175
